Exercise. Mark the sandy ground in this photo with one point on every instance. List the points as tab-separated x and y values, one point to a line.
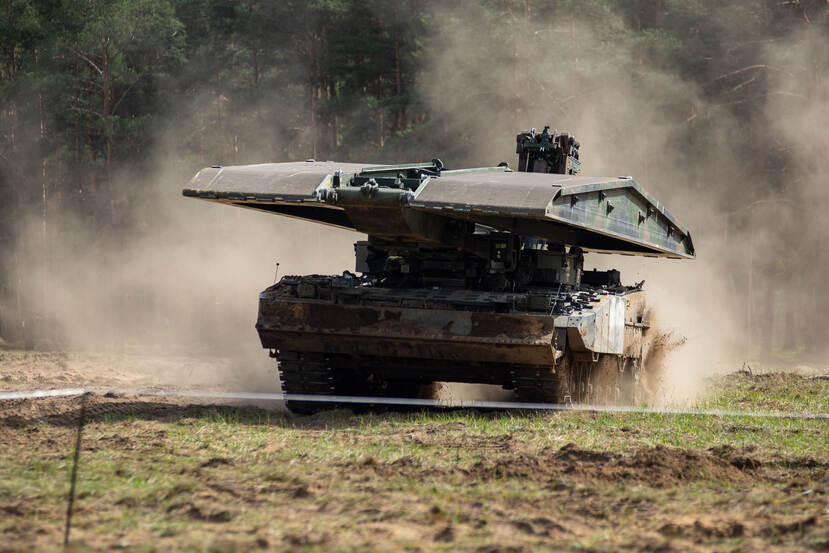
25	370
30	370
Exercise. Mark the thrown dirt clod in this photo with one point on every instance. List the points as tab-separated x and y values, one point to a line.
209	513
699	530
789	526
300	492
446	534
215	462
13	510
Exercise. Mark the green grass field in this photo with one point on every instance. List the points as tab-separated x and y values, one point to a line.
170	476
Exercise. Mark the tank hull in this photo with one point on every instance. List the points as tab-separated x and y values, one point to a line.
415	333
546	345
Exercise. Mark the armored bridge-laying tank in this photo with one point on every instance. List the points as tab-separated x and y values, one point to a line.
468	275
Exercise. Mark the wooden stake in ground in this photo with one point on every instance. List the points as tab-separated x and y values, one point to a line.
74	477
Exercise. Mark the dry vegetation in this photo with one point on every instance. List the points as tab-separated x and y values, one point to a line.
174	476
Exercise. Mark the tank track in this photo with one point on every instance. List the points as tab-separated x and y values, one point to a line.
580	380
610	380
322	374
576	380
306	373
536	385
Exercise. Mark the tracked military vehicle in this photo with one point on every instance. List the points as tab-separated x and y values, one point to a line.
466	275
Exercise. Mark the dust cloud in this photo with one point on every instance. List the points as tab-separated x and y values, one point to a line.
183	275
177	277
753	292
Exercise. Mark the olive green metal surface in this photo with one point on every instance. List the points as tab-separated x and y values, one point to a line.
606	214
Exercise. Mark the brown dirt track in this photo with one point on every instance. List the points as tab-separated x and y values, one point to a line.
171	475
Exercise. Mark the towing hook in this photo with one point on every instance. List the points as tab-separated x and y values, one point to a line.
370	188
329	196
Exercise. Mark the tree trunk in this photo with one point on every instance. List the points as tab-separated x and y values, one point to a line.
312	103
109	128
220	147
44	212
255	61
333	119
400	115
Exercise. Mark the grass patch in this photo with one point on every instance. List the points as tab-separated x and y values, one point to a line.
230	479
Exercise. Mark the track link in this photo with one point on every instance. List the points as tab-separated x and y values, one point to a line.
322	374
306	373
537	385
609	380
